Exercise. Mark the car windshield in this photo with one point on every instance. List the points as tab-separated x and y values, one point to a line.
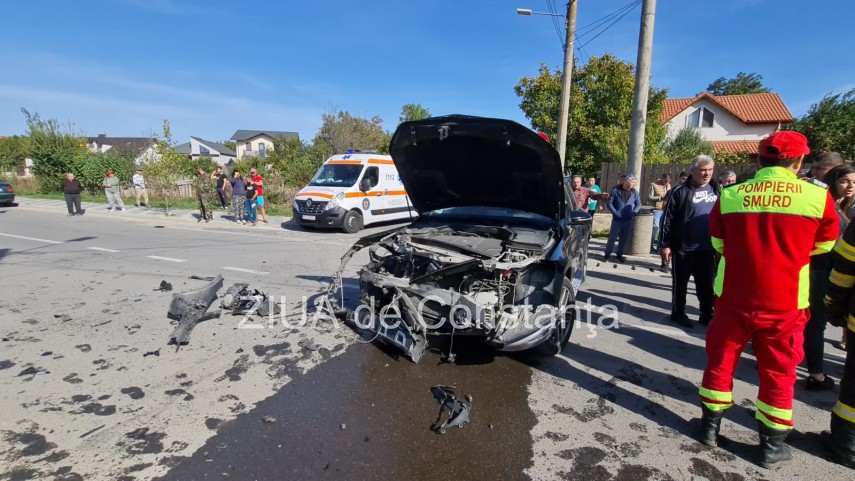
337	175
495	214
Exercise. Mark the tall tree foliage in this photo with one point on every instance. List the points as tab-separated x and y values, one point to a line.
341	131
13	151
743	83
53	147
686	144
829	125
413	112
600	112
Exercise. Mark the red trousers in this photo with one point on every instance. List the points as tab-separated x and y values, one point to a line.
776	338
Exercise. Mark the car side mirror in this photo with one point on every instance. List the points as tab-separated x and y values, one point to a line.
579	217
365	185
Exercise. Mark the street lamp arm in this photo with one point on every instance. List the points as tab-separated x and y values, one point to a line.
526	11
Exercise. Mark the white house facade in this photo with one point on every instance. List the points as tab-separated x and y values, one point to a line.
257	143
733	123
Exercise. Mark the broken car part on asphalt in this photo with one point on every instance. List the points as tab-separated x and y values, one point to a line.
498	251
190	308
164	287
458	410
241	300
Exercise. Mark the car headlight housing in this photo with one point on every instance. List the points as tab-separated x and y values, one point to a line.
335	201
294	204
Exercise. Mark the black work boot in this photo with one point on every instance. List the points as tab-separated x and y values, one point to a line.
773	451
842	441
710	426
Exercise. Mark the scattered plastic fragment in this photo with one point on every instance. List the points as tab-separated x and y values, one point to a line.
268	419
62	317
458	410
32	371
164	286
152	353
190	308
343	426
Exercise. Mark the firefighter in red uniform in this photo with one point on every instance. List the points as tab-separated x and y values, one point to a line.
841	312
766	229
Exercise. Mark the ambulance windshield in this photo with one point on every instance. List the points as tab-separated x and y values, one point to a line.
337	175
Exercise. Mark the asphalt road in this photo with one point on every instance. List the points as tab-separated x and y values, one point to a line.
82	400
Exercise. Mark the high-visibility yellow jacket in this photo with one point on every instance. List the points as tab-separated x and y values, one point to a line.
766	229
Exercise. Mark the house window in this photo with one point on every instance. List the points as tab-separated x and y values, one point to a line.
248	146
701	118
204	150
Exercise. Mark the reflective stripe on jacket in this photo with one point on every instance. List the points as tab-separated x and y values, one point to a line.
766	229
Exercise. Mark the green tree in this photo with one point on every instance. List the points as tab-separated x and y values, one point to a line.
829	124
53	147
413	112
230	144
686	144
296	160
91	167
172	166
743	83
600	112
341	131
13	151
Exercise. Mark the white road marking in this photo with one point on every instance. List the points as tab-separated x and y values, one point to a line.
248	271
170	259
102	249
31	238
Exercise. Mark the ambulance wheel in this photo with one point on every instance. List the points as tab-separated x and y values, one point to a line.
352	222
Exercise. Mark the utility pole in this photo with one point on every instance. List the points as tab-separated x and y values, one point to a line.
566	81
642	87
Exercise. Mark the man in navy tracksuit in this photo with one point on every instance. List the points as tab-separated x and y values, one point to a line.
624	203
685	239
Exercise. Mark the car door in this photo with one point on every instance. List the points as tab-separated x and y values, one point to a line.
577	232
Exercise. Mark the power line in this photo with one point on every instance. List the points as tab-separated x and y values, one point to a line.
550	5
604	30
619	13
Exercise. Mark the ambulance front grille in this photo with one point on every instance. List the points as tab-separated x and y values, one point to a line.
316	207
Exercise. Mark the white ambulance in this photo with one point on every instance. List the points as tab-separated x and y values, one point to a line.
351	191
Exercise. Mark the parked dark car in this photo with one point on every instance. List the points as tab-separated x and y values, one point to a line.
499	248
7	193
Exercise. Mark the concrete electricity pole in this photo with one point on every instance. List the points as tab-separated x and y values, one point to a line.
566	81
642	87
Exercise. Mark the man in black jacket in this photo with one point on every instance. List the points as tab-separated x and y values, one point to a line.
685	239
71	190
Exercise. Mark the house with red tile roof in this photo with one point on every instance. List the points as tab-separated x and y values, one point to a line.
733	123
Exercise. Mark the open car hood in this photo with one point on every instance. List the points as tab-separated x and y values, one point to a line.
459	160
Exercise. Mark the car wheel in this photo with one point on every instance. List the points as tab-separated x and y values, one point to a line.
560	337
352	222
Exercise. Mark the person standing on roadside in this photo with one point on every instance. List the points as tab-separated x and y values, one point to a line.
71	191
656	194
139	189
203	195
238	197
624	203
726	178
766	229
584	196
685	240
258	181
840	313
592	204
221	178
113	191
250	203
823	173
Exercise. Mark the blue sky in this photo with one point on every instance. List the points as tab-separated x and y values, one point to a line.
212	67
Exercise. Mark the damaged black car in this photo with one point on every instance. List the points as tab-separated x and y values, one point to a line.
498	250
